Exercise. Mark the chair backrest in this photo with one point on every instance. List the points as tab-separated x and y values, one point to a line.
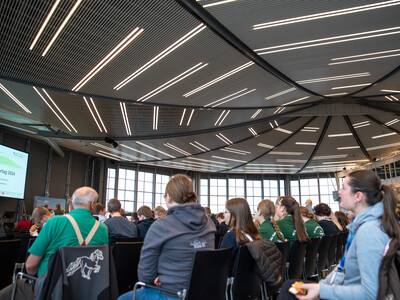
8	256
126	259
323	252
332	251
284	248
339	246
128	239
310	261
23	248
217	240
246	283
209	274
296	260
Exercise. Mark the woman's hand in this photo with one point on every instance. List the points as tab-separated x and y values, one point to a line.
157	282
312	291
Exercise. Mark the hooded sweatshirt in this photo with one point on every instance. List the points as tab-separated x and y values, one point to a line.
170	244
362	259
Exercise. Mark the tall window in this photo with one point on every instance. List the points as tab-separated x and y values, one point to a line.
110	184
218	195
309	190
254	194
203	197
145	189
327	186
282	187
271	189
126	188
294	189
236	188
161	183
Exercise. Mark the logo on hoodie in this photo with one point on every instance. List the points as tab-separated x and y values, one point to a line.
197	244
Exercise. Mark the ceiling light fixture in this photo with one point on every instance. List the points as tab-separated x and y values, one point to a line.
125	117
223	138
141	152
363	59
383	135
91	112
284	160
276	123
155	149
109	57
340	134
207	160
177	149
107	155
309	130
347	148
330	156
229	159
116	151
270	165
216	101
393	97
344	162
238	69
339	77
327	14
230	99
173	81
218	3
265	146
199	146
334	95
235	151
8	93
390	91
190	118
161	55
383	146
285	153
350	86
297	100
329	40
256	113
271	125
281	93
155	117
390	99
61	27
279	110
306	143
283	130
183	115
98	115
52	10
253	132
223	116
394	121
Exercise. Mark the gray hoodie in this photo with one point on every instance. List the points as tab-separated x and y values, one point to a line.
362	259
170	244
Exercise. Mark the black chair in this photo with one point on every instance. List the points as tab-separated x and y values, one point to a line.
23	253
310	261
339	246
245	283
295	269
217	241
128	239
207	278
8	256
126	259
323	255
331	260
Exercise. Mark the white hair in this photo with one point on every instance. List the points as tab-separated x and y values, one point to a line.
83	196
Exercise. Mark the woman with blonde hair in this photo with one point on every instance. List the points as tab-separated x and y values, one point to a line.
312	227
268	229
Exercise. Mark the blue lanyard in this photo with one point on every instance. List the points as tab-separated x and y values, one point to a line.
349	240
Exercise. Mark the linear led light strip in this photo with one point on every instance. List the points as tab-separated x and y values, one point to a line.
297	100
340	134
183	115
116	151
283	130
331	166
265	146
327	14
285	153
225	97
256	113
310	129
390	91
268	168
390	99
52	10
154	149
348	148
222	117
197	164
3	88
384	135
392	122
177	149
334	95
339	77
218	3
98	115
199	146
61	27
330	156
238	69
110	56
236	151
141	152
155	117
41	96
350	86
270	165
173	81
190	118
191	164
223	138
161	55
113	155
383	146
230	99
279	110
125	117
229	159
363	59
343	162
328	41
107	155
253	132
300	161
306	143
394	98
207	160
361	124
280	93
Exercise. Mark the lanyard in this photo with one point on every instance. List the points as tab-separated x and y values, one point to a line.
349	240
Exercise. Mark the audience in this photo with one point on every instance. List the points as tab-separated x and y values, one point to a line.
313	229
135	218
100	212
241	227
375	224
167	254
145	216
223	228
268	229
323	216
309	206
118	225
159	212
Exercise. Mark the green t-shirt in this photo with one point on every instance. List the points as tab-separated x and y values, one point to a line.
267	231
313	229
58	231
287	229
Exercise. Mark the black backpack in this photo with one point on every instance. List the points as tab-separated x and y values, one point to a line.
389	273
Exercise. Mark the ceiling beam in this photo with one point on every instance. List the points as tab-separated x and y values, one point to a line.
358	140
321	137
18	127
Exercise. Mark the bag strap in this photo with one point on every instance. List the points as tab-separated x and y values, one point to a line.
79	234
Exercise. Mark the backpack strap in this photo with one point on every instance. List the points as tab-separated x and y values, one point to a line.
79	234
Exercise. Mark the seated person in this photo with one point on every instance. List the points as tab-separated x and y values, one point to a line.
145	216
268	229
159	212
223	228
39	217
167	254
312	227
24	223
118	225
100	212
58	211
322	213
342	219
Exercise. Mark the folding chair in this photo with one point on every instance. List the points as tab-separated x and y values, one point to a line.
310	269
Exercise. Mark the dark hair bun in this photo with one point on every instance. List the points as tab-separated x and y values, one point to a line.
189	197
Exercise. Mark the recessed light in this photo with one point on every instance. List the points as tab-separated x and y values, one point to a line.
183	115
383	135
297	100
235	151
340	134
344	162
394	121
199	146
222	100
300	161
222	117
279	110
306	143
155	117
190	118
390	91
108	155
330	156
253	132
125	117
285	153
270	165
116	151
334	95
283	130
256	113
281	93
350	86
224	138
363	59
265	146
229	159
347	148
207	160
3	88
91	112
138	151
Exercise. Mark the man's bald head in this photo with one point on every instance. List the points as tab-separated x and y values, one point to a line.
83	197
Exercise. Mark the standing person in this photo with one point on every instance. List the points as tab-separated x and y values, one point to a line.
241	227
323	215
168	249
309	206
58	211
268	229
312	227
375	223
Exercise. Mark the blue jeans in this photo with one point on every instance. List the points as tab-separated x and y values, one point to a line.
145	294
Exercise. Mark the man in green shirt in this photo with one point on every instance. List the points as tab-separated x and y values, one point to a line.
59	231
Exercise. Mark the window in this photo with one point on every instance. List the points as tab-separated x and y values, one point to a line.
294	189
126	189
218	195
203	197
110	184
161	183
271	191
327	187
236	188
254	193
309	190
282	188
145	189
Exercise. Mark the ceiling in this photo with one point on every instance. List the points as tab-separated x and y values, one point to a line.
246	86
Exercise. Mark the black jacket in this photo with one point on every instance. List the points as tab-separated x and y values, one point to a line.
143	226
